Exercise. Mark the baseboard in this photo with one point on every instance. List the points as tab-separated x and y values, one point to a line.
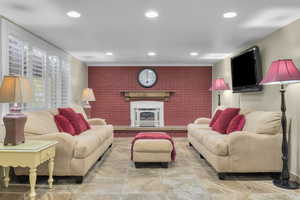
295	177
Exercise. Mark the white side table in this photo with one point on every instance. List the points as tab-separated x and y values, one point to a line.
30	154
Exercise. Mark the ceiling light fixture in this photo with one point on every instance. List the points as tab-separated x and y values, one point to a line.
230	15
194	54
73	14
151	14
109	53
151	54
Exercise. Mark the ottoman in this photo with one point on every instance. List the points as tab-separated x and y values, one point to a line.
154	147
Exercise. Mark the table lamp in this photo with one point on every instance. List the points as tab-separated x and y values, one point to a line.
87	96
15	90
283	72
219	85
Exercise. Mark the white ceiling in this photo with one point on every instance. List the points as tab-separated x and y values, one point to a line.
119	26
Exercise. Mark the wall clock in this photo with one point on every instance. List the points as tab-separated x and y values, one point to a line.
147	77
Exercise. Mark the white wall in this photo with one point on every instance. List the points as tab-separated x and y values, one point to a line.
284	43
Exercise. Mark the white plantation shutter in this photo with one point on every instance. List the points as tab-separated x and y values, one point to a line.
53	71
65	84
49	75
37	77
17	56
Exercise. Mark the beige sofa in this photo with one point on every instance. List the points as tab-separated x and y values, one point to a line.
75	155
257	148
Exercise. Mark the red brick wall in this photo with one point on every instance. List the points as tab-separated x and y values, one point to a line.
191	99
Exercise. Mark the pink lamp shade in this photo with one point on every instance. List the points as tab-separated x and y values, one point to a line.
281	72
219	84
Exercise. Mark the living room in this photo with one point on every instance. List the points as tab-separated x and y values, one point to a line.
125	100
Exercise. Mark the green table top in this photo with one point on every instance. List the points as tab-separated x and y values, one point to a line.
28	146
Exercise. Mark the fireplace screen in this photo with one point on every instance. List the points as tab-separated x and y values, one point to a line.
147	114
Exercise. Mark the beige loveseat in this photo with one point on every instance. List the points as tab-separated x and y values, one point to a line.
257	148
75	155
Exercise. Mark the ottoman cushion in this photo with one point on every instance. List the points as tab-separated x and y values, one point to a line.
150	145
154	142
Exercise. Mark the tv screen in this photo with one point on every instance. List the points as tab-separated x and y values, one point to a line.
246	71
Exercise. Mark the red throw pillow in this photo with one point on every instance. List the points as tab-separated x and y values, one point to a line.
64	125
87	125
74	118
215	117
236	124
224	119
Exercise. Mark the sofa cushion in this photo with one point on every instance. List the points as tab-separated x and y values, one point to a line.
103	131
79	109
263	122
215	142
224	119
64	125
74	118
86	124
236	124
86	143
40	122
215	117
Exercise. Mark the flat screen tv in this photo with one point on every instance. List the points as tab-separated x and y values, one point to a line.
246	71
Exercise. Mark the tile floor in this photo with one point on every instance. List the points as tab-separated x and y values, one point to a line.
189	178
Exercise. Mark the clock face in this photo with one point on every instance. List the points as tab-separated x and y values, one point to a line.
147	78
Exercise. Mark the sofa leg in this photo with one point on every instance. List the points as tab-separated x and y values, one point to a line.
79	179
110	146
190	144
221	176
164	164
201	156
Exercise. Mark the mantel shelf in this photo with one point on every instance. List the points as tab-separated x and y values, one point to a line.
133	95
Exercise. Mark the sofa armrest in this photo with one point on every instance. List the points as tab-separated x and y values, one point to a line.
202	120
96	121
65	145
256	151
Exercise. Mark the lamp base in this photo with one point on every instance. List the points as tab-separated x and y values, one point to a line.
87	110
14	125
291	185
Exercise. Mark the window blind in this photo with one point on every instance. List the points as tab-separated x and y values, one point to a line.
49	75
37	77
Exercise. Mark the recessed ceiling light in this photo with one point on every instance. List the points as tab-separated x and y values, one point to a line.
230	15
151	14
151	54
194	54
109	53
73	14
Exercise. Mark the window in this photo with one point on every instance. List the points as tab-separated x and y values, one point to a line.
53	73
18	56
49	75
37	77
65	84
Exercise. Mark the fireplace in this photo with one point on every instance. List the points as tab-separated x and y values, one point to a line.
146	114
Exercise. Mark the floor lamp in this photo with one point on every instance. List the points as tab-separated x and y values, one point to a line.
283	72
219	85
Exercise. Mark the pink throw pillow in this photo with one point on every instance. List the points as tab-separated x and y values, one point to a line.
64	125
215	117
236	124
224	119
76	121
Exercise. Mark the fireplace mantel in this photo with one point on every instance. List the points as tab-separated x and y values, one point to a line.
133	95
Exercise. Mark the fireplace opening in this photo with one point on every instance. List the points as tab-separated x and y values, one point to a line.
147	114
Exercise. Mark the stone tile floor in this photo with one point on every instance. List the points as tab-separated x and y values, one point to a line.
189	178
